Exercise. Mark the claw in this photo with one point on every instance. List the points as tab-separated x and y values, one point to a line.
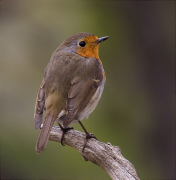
64	130
88	136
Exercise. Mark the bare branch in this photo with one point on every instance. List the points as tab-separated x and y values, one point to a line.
106	156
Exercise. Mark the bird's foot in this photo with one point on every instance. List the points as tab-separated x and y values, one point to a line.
88	136
64	130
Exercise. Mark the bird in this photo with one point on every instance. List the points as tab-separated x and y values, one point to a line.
71	87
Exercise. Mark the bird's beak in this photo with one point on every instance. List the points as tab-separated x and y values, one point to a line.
99	40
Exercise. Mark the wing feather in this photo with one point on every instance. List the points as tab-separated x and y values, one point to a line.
79	96
39	106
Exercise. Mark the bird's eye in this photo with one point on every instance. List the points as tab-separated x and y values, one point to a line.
82	43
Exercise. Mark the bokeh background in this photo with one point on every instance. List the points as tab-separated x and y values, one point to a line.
136	111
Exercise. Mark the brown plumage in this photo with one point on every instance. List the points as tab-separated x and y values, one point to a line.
72	85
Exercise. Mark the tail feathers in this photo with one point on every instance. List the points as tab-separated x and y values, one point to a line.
44	134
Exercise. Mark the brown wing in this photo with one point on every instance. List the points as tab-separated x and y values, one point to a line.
79	95
39	106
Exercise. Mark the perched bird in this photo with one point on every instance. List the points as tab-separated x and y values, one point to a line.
72	85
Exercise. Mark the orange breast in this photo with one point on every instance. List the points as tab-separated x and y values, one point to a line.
91	49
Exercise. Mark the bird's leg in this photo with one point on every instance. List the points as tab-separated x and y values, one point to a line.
64	130
88	136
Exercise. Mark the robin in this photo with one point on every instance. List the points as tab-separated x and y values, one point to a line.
72	85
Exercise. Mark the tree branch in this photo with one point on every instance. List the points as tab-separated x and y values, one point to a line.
106	156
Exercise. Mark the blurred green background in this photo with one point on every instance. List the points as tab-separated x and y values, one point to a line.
136	111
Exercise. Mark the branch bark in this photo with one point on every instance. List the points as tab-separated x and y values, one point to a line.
106	156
